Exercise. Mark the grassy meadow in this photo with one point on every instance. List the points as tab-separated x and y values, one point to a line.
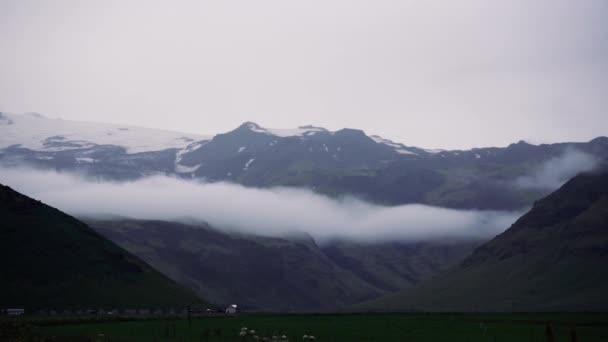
363	327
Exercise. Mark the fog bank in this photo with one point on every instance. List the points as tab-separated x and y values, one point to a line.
556	171
272	212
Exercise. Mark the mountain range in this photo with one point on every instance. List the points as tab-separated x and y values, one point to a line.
334	163
548	260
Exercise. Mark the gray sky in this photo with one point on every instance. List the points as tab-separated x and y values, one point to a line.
448	74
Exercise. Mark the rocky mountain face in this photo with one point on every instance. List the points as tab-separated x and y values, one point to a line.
551	259
50	260
280	274
344	162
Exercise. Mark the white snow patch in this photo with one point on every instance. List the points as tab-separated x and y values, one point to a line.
248	163
241	149
190	148
378	139
402	151
44	158
433	151
85	160
399	148
325	147
256	128
477	156
286	132
186	169
31	130
295	132
178	157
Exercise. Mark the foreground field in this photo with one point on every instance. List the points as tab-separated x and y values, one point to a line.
405	327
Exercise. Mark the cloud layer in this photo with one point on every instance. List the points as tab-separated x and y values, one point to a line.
274	212
556	171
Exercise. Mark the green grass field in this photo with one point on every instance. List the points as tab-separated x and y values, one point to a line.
403	327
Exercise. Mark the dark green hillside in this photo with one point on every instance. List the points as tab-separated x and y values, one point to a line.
51	260
552	259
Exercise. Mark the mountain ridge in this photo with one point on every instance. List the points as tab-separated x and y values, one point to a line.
7	119
551	259
346	162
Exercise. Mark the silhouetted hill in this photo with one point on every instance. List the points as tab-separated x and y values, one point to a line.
51	260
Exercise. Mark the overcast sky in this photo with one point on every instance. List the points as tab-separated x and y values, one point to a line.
447	74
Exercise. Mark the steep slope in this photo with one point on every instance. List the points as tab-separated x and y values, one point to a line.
552	259
51	260
279	274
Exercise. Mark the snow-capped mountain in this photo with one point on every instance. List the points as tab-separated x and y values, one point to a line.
342	162
250	151
294	132
39	133
309	130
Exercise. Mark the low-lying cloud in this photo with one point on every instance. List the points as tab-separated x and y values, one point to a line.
556	171
273	212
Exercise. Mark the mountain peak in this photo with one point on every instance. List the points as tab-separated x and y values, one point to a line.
282	132
312	127
350	132
520	144
251	126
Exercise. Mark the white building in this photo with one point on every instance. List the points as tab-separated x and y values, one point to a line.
232	309
15	312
